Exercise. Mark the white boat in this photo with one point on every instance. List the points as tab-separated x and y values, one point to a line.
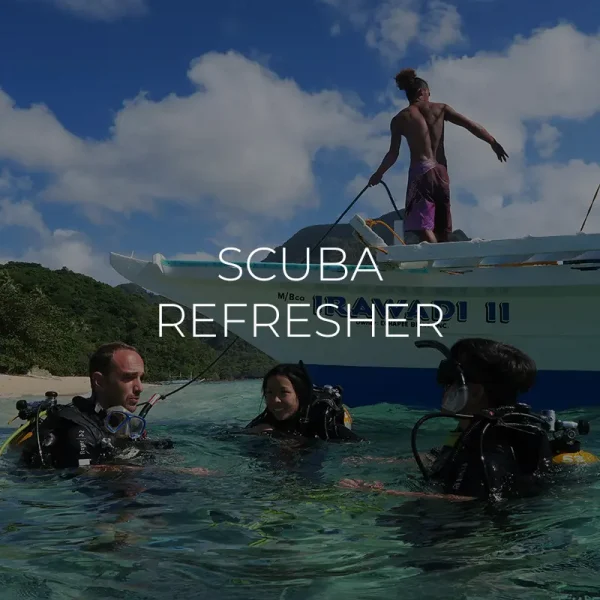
537	293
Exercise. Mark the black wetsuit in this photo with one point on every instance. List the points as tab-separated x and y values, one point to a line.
319	426
510	464
74	436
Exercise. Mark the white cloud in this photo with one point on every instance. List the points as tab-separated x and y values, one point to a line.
391	26
70	249
564	193
442	26
102	10
546	140
54	249
21	214
395	26
336	30
10	183
218	148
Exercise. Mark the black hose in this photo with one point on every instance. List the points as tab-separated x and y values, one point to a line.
413	436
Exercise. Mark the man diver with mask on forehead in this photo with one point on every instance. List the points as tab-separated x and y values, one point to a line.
95	430
500	449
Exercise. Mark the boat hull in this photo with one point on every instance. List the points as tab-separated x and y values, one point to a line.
547	312
559	390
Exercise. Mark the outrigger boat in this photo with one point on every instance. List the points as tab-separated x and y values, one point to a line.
538	293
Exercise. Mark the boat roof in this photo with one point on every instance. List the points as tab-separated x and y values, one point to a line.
524	251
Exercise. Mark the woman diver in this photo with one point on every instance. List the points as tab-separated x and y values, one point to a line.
294	407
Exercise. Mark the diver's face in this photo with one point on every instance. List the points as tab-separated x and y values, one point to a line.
122	386
282	401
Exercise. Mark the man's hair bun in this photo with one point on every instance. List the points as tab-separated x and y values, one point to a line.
406	78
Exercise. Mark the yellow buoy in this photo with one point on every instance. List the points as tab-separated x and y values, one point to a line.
347	418
575	458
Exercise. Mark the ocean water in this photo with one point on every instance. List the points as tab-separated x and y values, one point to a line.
272	521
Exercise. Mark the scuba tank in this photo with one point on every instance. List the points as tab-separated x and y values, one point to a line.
326	410
563	434
33	413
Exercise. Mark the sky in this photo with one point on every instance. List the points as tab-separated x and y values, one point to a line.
184	127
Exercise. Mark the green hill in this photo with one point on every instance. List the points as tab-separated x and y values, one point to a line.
55	319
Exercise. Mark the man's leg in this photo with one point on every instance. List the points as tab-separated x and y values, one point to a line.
441	196
427	235
419	214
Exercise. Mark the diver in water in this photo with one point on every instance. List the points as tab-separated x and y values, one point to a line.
95	430
489	457
499	449
295	407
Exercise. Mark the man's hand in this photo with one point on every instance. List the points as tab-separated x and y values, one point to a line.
375	179
499	150
360	484
196	471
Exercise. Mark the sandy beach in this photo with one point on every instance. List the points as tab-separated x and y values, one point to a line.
17	386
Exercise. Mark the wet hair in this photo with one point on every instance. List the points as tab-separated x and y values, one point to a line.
408	81
101	359
298	377
503	370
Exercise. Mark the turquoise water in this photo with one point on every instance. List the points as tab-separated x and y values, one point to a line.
272	522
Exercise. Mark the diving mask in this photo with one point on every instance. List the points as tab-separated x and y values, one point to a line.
123	423
451	377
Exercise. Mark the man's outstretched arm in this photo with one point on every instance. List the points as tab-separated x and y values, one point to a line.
377	486
477	130
392	154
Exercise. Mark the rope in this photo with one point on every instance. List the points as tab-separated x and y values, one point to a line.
387	189
590	208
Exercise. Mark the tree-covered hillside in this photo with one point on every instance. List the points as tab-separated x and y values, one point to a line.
55	319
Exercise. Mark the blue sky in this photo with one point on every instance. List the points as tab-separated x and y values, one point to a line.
281	122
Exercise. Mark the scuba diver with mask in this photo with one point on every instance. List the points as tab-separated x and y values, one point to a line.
295	407
89	431
500	448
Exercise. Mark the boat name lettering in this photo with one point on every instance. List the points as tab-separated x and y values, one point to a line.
398	309
401	309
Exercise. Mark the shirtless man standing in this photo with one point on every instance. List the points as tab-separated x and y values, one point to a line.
427	211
